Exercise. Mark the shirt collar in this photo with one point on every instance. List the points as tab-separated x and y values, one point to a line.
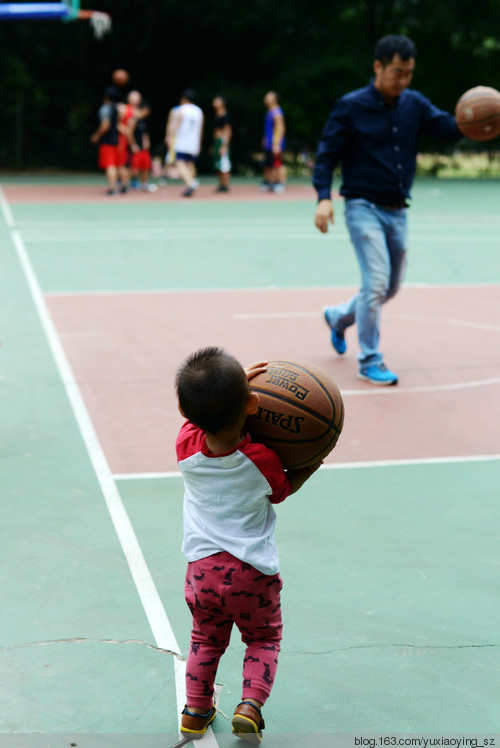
378	96
205	450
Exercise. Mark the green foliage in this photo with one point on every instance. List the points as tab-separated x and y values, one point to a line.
53	74
459	165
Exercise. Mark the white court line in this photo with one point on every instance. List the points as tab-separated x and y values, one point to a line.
5	208
336	466
408	317
146	588
431	388
149	476
192	234
453	322
253	289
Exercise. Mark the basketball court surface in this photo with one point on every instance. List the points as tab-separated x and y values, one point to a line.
389	554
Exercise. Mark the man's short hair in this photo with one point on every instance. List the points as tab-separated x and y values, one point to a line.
112	93
212	389
394	44
189	95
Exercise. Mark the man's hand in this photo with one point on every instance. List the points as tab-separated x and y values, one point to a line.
324	215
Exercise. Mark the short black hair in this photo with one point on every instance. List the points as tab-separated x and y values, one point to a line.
394	44
212	389
113	94
189	94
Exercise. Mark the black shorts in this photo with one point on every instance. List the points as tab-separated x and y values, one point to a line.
186	157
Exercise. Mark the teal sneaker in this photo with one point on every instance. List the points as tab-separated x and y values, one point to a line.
377	374
337	338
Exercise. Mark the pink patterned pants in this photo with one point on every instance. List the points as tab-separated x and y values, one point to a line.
220	591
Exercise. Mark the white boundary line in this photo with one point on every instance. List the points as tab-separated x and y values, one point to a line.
252	289
156	615
5	208
335	466
146	588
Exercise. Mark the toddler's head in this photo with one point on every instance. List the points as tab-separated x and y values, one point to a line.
212	389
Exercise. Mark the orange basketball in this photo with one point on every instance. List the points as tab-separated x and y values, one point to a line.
300	412
478	113
120	78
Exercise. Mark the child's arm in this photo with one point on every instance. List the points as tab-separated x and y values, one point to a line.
297	478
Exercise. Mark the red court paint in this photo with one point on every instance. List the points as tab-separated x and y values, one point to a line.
78	193
444	343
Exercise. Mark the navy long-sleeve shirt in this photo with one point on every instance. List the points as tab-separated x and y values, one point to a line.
376	144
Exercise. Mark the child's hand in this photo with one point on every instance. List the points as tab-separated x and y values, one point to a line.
315	467
258	367
298	477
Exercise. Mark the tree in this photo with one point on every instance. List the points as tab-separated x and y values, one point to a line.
53	74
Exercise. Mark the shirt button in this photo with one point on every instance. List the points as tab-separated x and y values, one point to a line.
394	129
396	147
400	166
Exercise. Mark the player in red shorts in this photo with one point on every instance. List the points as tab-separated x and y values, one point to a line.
106	136
126	123
141	163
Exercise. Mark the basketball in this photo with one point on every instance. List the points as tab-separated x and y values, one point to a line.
478	113
120	78
300	413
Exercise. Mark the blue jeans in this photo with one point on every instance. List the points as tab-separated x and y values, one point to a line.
380	239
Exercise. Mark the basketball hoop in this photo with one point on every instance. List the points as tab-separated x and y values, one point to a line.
67	10
100	22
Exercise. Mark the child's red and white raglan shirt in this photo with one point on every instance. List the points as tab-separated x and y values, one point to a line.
228	499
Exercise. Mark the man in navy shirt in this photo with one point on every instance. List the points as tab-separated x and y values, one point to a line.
373	134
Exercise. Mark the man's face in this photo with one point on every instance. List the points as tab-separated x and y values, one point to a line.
269	100
392	79
134	98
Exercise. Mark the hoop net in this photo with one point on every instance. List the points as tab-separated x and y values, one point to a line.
99	22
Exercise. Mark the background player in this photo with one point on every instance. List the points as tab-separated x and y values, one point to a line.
222	143
186	131
141	162
273	144
106	137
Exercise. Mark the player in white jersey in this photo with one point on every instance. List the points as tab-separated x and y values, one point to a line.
186	132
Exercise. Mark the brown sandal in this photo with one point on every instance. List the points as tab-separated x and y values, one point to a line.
248	722
195	725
